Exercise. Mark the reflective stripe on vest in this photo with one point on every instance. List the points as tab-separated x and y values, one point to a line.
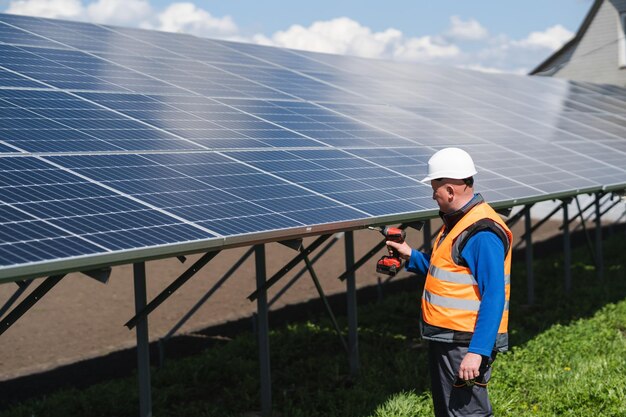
455	302
458	277
451	298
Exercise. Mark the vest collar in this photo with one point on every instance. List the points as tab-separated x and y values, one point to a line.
451	219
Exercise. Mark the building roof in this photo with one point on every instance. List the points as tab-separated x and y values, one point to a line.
549	62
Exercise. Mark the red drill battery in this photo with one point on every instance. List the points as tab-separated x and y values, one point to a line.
388	265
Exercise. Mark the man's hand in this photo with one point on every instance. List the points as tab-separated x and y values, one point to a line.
403	249
470	366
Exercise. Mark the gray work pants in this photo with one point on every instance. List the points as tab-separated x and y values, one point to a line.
448	400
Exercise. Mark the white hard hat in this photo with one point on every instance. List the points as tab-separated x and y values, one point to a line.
450	163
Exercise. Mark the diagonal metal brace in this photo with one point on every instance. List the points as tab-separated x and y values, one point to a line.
198	265
581	213
295	261
606	210
537	225
585	231
15	296
200	302
513	220
297	276
23	284
29	301
329	310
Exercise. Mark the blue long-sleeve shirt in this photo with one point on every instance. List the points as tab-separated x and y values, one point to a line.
484	255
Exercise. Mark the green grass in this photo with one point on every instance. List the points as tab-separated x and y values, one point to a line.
568	359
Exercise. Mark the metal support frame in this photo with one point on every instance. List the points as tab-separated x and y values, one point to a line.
143	344
164	295
199	304
530	276
295	261
567	249
606	210
522	213
296	277
26	304
425	226
367	256
599	255
590	216
537	226
294	244
580	212
363	259
22	285
583	224
263	332
353	338
101	275
320	291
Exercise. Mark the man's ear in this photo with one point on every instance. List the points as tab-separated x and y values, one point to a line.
450	190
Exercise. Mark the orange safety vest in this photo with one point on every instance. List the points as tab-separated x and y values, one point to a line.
451	298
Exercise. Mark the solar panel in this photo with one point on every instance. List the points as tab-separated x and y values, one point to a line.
121	144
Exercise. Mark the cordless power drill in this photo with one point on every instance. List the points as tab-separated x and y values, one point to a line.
390	265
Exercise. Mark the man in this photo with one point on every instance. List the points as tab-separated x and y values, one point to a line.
466	293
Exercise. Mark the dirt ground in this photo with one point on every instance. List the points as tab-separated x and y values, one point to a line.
82	318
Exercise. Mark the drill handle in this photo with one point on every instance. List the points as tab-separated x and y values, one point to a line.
397	236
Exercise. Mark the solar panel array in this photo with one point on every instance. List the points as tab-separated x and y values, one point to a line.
119	144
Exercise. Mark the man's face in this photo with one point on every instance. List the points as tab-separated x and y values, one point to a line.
441	194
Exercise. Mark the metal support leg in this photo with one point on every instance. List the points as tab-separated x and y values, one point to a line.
599	257
143	346
567	252
149	308
302	271
585	231
277	276
353	338
200	303
530	277
538	225
263	332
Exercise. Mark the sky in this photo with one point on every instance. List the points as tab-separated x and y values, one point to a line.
488	35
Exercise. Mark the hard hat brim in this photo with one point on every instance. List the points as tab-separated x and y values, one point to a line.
449	174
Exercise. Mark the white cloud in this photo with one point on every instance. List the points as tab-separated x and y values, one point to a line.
177	17
339	36
61	9
466	29
188	18
552	38
426	48
346	36
119	12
